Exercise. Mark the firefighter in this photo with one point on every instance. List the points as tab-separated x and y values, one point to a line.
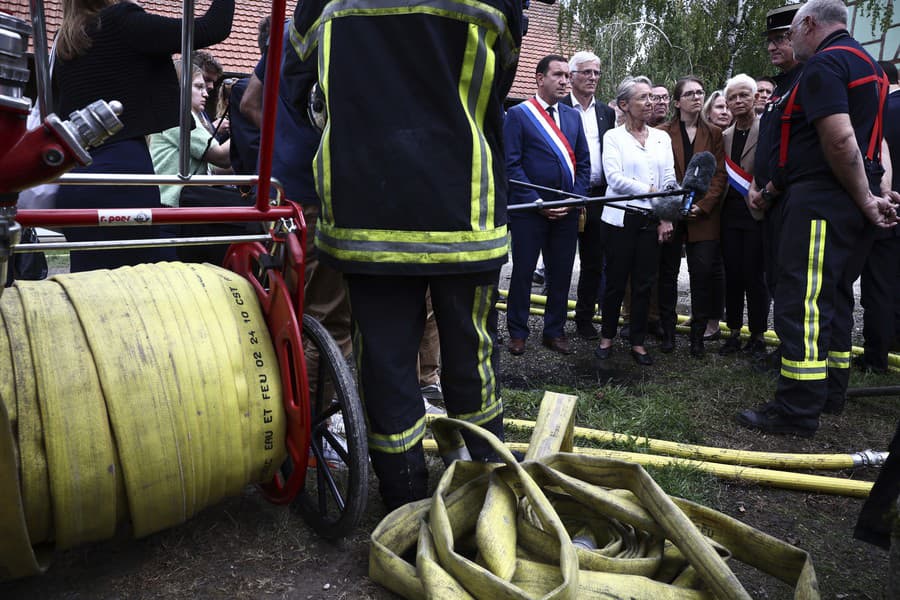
410	171
836	194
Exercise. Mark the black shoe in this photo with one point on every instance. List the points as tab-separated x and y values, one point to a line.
834	406
645	360
757	348
768	420
625	332
717	335
538	276
731	345
668	341
586	330
697	348
603	353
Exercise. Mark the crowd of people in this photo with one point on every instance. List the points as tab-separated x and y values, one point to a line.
406	206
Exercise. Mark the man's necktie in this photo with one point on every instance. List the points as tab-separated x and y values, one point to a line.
552	112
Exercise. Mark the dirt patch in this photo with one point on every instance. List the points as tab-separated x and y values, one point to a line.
248	548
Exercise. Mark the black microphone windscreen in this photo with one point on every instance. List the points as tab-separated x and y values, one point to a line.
699	172
668	208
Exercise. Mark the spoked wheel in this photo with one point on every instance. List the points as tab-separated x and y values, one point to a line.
334	497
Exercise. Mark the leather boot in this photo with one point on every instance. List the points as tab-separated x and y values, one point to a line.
697	330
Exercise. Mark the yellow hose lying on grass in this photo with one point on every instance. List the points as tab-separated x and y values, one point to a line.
506	532
129	395
771	338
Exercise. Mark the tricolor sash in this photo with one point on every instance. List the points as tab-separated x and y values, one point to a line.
552	135
739	179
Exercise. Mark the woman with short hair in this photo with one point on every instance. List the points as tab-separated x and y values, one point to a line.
716	111
637	159
742	234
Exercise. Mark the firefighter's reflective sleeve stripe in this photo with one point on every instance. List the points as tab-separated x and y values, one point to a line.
476	13
838	360
811	314
474	91
430	247
397	443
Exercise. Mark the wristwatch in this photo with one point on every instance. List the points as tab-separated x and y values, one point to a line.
767	195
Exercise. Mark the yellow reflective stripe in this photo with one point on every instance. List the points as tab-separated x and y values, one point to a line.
481	310
396	443
474	90
469	11
375	245
817	229
838	360
322	159
483	416
412	257
385	237
804	370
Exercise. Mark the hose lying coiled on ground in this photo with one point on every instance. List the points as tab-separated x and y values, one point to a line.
566	526
142	394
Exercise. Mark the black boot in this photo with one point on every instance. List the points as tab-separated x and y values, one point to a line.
667	343
732	344
697	331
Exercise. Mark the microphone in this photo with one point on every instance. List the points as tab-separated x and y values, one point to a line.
699	173
697	176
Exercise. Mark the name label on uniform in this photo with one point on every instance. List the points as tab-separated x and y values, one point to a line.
552	134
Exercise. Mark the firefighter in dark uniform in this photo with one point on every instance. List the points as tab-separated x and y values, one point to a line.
768	181
832	126
410	171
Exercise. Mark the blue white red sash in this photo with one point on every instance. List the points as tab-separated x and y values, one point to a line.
739	179
548	129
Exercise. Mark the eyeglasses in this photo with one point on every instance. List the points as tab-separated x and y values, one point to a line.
590	72
659	97
779	39
693	94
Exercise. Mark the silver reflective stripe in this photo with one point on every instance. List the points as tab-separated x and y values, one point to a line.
486	415
814	283
475	92
432	249
805	371
399	442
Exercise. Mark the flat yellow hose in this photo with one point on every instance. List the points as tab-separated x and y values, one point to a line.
509	531
132	394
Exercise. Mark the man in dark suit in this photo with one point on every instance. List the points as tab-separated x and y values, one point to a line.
596	118
546	146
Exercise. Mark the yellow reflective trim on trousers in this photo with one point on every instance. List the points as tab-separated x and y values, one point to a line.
485	415
804	370
838	360
366	256
469	11
481	310
397	443
815	259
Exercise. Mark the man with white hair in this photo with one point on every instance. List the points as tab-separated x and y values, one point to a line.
596	118
831	154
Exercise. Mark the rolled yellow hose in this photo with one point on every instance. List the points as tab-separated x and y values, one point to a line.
133	394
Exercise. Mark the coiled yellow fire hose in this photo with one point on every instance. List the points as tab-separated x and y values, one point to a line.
506	531
129	395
